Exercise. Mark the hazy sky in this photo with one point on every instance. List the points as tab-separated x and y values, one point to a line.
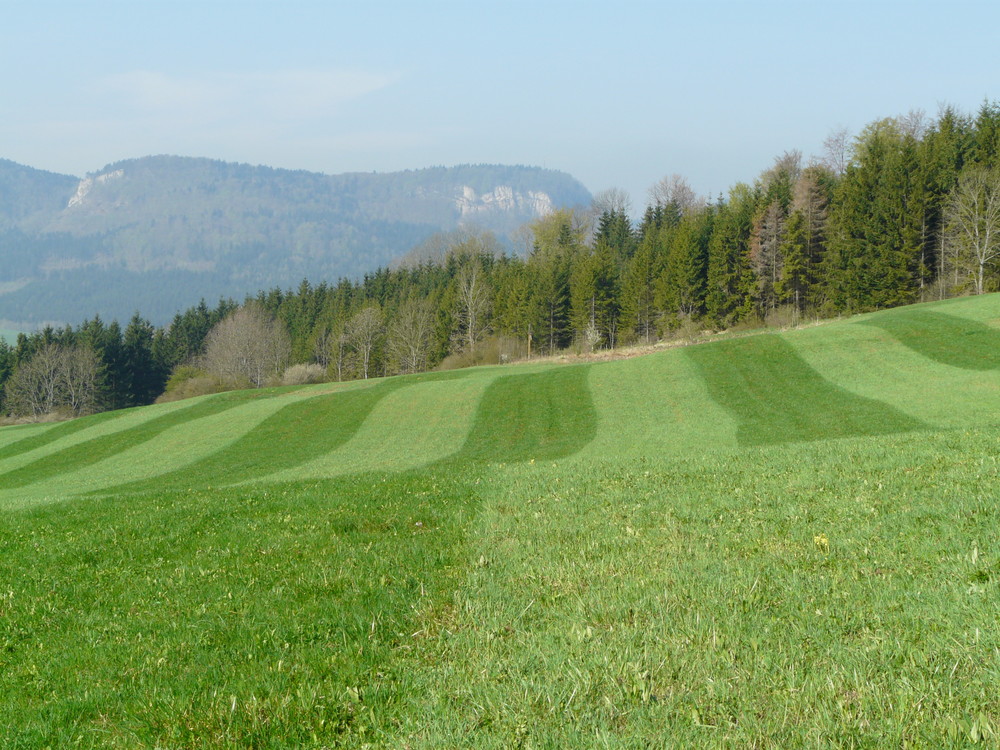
618	94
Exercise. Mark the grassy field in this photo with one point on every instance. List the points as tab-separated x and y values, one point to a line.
8	335
782	540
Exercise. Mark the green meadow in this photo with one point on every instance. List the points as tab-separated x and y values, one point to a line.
778	540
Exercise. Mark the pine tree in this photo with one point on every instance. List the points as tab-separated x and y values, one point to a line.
144	377
682	286
614	231
985	149
638	294
731	283
874	240
593	294
944	150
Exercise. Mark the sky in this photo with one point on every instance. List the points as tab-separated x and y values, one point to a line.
618	94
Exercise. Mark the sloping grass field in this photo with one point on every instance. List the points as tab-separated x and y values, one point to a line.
781	540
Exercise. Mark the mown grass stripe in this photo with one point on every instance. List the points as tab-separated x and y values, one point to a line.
97	449
950	340
56	432
294	435
13	433
670	410
173	449
776	397
410	427
545	415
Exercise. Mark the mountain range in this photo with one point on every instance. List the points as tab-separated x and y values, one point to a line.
158	233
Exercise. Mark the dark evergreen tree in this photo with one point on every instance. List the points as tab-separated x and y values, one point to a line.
143	375
730	283
985	149
638	290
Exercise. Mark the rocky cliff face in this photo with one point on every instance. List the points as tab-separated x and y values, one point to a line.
87	184
503	200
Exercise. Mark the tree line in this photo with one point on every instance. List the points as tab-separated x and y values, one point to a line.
907	210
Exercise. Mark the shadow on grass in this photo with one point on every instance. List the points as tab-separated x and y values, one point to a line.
776	397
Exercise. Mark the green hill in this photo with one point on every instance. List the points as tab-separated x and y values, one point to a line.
780	540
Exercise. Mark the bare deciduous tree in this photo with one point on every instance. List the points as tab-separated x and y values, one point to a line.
836	151
324	346
80	379
247	346
787	169
331	348
974	223
363	332
765	252
473	296
410	335
914	123
674	189
613	200
55	378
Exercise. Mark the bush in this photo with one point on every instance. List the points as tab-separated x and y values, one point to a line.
487	353
304	374
786	316
187	382
683	329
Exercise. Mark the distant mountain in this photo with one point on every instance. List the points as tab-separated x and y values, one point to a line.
29	198
156	234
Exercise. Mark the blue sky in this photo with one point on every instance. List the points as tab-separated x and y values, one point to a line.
617	94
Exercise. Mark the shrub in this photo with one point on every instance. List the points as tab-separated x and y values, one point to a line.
304	374
187	381
488	352
786	316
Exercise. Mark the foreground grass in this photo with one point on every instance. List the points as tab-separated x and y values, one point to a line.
264	618
778	541
844	594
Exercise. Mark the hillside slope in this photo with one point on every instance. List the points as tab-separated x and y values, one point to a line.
783	539
159	232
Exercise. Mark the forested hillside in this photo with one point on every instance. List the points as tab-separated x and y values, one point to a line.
159	232
908	210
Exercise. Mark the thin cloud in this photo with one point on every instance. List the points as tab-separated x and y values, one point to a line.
270	118
273	96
